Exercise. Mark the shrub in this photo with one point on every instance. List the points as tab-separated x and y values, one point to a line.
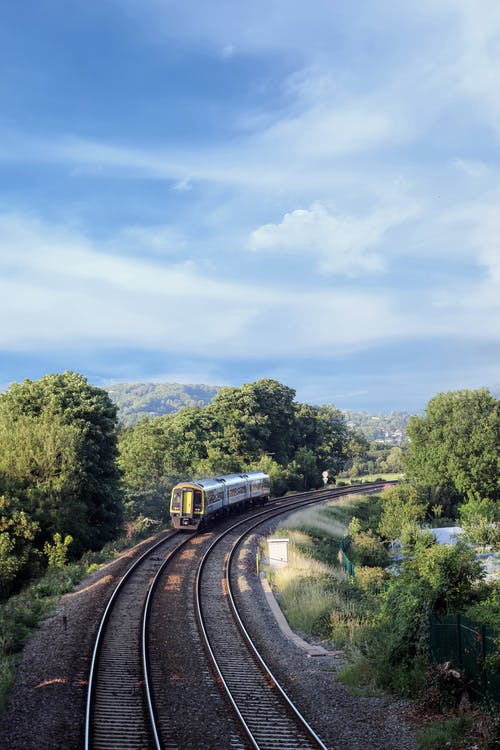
57	552
370	579
367	549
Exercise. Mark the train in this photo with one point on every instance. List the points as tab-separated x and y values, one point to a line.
194	504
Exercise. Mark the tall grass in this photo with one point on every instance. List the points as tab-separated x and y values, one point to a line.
315	593
305	587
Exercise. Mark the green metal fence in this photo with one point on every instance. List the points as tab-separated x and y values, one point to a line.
466	644
349	568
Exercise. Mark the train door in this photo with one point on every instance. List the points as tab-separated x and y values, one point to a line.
187	503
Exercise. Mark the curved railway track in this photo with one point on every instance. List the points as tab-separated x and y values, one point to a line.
269	718
150	684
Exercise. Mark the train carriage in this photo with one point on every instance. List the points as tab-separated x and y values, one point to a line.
193	503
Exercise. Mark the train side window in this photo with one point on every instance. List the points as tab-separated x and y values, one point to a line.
197	500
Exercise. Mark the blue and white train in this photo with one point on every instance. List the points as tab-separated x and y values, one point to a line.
194	503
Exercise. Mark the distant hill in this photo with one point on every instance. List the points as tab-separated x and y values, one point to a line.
138	400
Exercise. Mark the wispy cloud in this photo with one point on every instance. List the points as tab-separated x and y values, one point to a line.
61	289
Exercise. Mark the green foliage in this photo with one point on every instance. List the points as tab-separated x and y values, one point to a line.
367	549
58	551
254	419
443	734
480	520
17	533
455	445
371	578
402	506
255	427
439	579
487	612
58	457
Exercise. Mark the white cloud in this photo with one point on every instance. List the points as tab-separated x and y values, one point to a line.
340	244
61	290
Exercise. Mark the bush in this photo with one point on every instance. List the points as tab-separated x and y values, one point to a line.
370	579
367	549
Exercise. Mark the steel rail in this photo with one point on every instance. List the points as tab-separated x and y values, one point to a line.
276	507
145	652
101	631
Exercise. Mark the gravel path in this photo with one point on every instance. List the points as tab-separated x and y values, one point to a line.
46	709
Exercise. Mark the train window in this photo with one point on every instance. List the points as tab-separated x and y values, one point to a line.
176	499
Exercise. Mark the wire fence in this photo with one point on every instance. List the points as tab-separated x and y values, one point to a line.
466	644
349	568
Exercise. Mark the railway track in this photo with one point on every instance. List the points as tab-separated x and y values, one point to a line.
269	718
150	683
116	715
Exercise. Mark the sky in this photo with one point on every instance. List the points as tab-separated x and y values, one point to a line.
217	192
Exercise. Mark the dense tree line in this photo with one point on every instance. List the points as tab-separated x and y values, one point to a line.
452	473
452	468
70	473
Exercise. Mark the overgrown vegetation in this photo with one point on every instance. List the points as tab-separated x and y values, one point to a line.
381	617
258	426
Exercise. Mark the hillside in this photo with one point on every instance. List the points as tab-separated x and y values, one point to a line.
138	400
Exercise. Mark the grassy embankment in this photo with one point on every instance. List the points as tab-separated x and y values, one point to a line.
315	593
386	477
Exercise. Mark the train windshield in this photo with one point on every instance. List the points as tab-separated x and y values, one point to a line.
176	499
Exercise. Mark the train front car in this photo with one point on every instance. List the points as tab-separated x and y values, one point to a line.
187	505
194	503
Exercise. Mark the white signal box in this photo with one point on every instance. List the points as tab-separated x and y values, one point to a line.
278	553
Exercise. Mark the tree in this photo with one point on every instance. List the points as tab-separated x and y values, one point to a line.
394	461
439	579
58	447
17	532
455	445
480	521
254	419
322	429
305	465
402	506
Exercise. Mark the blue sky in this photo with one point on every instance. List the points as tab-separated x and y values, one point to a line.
217	192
